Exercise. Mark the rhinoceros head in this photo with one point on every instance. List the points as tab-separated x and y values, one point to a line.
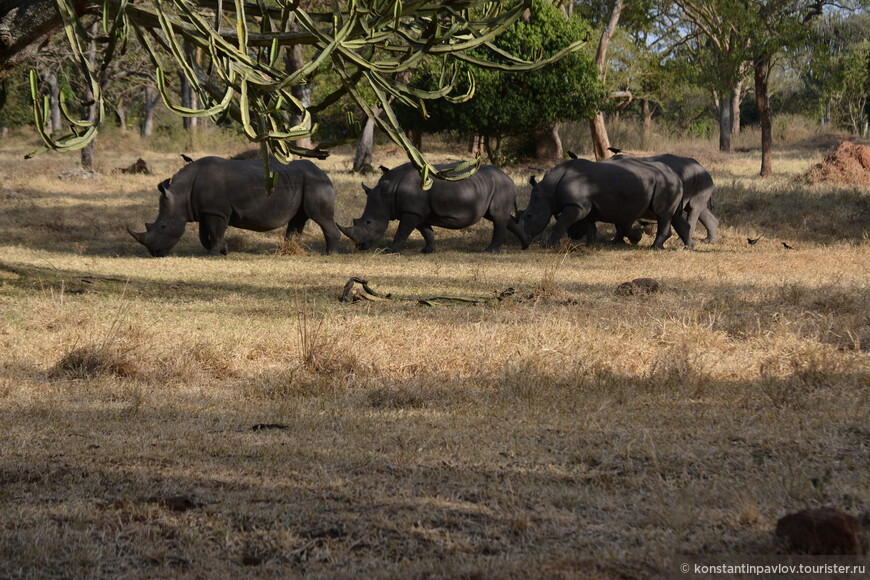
161	235
368	229
537	214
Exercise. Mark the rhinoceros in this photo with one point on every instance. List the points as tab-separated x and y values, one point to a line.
697	194
582	192
220	192
489	193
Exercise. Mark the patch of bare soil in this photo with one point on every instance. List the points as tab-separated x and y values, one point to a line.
848	164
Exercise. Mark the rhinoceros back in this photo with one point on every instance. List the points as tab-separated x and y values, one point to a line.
237	189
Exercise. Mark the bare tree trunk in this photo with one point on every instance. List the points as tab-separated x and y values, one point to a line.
600	140
189	98
725	125
49	81
152	95
736	95
362	161
647	113
121	109
293	61
762	70
475	144
548	144
416	138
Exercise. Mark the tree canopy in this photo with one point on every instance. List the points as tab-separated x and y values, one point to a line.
521	103
237	75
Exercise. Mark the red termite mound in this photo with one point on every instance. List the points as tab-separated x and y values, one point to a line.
849	164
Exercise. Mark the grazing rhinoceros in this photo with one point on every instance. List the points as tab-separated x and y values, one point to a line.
220	192
489	193
582	192
697	195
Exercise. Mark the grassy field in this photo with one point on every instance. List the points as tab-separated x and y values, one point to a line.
563	431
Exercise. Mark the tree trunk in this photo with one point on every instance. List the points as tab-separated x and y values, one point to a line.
762	70
189	98
600	140
735	109
49	80
548	144
152	95
362	161
121	109
647	113
293	61
416	138
475	144
725	125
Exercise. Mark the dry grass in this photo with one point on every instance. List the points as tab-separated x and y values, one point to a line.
565	431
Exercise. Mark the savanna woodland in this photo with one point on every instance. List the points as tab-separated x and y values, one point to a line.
576	409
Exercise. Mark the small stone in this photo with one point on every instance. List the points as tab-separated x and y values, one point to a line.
821	532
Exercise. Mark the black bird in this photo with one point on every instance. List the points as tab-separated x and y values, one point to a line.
752	242
614	150
186	158
786	246
572	155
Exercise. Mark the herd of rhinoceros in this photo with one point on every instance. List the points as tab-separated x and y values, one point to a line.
220	192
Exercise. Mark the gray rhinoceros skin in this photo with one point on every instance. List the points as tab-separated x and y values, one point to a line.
580	192
219	193
489	193
697	193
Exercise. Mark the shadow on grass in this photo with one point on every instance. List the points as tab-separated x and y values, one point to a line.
798	213
367	489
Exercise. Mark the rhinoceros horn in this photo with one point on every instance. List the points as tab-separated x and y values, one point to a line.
139	237
347	231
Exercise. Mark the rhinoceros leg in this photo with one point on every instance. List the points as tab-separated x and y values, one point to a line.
296	224
211	234
499	234
407	224
709	221
517	230
570	215
585	229
324	217
626	230
683	229
428	238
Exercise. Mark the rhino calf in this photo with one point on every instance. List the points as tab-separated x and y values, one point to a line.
489	193
219	193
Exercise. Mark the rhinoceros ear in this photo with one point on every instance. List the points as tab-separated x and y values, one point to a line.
533	181
366	188
383	169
